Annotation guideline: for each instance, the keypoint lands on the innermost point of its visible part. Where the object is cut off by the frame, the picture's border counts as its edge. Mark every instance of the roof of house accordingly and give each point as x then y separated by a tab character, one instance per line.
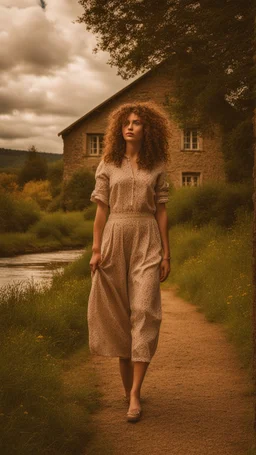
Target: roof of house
70	127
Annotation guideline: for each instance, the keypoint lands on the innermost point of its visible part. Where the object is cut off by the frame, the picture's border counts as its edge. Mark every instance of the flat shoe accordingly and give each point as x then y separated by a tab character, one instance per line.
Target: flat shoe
134	415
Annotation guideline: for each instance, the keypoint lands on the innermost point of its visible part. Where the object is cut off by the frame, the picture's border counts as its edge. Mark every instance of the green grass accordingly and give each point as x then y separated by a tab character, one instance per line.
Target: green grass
213	201
41	328
52	232
213	269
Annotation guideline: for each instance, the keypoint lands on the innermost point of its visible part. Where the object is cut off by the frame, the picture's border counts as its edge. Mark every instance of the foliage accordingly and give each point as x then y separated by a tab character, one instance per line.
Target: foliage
60	225
78	189
35	167
55	177
214	201
14	159
208	50
56	204
8	182
38	191
40	327
17	215
212	269
90	211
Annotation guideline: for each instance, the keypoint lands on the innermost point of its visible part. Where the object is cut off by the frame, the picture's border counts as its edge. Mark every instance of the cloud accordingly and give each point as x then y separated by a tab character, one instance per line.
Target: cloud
49	76
31	42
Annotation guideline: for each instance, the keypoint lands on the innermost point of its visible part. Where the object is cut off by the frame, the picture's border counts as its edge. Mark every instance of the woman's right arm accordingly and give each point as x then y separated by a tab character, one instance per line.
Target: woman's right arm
98	227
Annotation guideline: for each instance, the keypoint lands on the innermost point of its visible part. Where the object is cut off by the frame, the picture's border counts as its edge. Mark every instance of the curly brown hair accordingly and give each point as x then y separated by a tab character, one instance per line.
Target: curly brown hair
156	134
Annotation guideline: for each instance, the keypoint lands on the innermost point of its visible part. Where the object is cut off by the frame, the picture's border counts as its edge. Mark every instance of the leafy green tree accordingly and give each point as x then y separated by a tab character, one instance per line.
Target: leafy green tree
35	167
208	49
77	191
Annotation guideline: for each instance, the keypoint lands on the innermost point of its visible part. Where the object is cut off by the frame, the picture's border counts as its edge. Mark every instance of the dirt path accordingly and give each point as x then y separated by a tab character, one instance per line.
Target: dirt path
196	396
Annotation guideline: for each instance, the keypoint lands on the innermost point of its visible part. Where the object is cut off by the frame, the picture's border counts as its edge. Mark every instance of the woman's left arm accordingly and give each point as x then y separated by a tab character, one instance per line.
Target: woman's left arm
162	221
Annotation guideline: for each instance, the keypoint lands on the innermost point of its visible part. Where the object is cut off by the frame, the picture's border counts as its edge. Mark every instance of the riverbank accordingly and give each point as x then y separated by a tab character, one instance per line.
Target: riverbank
41	329
56	231
32	246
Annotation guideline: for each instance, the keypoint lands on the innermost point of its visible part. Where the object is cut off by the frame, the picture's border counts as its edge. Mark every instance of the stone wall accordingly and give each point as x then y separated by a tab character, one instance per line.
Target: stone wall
156	85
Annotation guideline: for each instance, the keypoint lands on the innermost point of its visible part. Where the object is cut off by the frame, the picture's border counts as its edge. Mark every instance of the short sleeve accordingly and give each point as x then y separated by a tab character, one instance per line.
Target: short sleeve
162	187
101	189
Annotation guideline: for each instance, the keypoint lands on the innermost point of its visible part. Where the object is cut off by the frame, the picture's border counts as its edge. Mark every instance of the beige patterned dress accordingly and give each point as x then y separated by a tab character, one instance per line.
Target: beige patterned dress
124	307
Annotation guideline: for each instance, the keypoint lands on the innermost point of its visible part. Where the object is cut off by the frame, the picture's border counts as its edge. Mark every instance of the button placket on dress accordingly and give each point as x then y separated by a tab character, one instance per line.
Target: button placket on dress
133	181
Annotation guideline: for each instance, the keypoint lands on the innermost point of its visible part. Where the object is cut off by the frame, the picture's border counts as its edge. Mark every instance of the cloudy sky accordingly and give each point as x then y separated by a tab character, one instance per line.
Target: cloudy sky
49	76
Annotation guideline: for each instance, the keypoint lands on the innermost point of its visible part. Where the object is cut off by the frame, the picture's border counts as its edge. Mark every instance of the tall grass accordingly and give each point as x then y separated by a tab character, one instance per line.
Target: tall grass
40	326
213	269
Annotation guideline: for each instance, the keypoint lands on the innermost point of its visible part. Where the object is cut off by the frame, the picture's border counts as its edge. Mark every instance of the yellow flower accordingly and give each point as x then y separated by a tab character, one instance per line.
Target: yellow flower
40	336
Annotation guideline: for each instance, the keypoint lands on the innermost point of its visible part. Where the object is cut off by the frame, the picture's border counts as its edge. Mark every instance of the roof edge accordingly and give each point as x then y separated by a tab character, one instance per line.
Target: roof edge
72	125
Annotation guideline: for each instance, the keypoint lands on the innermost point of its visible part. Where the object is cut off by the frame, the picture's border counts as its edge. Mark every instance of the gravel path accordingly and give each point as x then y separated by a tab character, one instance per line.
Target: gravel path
196	397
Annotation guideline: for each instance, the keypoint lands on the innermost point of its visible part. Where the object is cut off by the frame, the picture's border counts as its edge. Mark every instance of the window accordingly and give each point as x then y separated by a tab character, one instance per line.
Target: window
190	139
94	144
190	178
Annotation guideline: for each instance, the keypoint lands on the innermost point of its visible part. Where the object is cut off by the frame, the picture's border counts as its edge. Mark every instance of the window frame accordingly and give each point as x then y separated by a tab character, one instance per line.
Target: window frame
198	174
89	137
199	140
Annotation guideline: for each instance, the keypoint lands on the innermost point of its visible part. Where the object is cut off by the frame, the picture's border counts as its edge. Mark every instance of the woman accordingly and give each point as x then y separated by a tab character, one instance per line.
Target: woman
130	246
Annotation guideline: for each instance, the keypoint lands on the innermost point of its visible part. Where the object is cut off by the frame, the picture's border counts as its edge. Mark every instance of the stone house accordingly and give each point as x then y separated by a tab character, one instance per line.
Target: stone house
194	158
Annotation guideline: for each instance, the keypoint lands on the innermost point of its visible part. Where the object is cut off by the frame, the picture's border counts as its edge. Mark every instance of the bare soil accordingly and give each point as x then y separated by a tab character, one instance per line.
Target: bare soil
197	399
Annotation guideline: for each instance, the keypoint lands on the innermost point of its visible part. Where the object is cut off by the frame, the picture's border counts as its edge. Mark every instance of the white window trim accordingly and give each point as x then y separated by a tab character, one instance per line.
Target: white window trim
199	140
199	173
88	144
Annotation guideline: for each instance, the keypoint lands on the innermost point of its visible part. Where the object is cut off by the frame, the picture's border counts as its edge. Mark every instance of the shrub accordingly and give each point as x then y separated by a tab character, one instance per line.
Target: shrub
90	211
38	191
8	182
57	225
55	177
55	204
17	215
78	190
217	202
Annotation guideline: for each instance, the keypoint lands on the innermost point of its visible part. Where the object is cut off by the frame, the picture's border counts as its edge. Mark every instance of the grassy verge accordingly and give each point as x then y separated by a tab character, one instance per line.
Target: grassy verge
42	410
212	268
52	232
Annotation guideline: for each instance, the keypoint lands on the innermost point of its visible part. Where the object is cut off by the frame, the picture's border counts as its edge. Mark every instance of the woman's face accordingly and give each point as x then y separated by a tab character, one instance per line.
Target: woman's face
132	128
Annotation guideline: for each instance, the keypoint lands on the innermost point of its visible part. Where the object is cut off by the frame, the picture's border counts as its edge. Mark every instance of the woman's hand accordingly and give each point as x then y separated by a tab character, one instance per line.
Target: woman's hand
95	261
164	269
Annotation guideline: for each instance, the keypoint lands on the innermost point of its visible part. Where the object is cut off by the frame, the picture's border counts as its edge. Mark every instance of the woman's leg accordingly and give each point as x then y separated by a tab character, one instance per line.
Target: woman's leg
139	371
126	371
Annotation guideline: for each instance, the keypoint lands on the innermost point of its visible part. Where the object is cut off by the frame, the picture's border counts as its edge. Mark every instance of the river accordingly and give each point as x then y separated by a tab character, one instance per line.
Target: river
40	266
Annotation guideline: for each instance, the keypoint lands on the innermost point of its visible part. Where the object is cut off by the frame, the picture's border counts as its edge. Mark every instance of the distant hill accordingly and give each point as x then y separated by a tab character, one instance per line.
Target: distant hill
10	158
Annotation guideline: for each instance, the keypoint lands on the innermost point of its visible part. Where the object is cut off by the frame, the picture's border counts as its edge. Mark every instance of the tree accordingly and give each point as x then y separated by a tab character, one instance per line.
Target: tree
55	177
35	167
208	45
77	191
39	192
